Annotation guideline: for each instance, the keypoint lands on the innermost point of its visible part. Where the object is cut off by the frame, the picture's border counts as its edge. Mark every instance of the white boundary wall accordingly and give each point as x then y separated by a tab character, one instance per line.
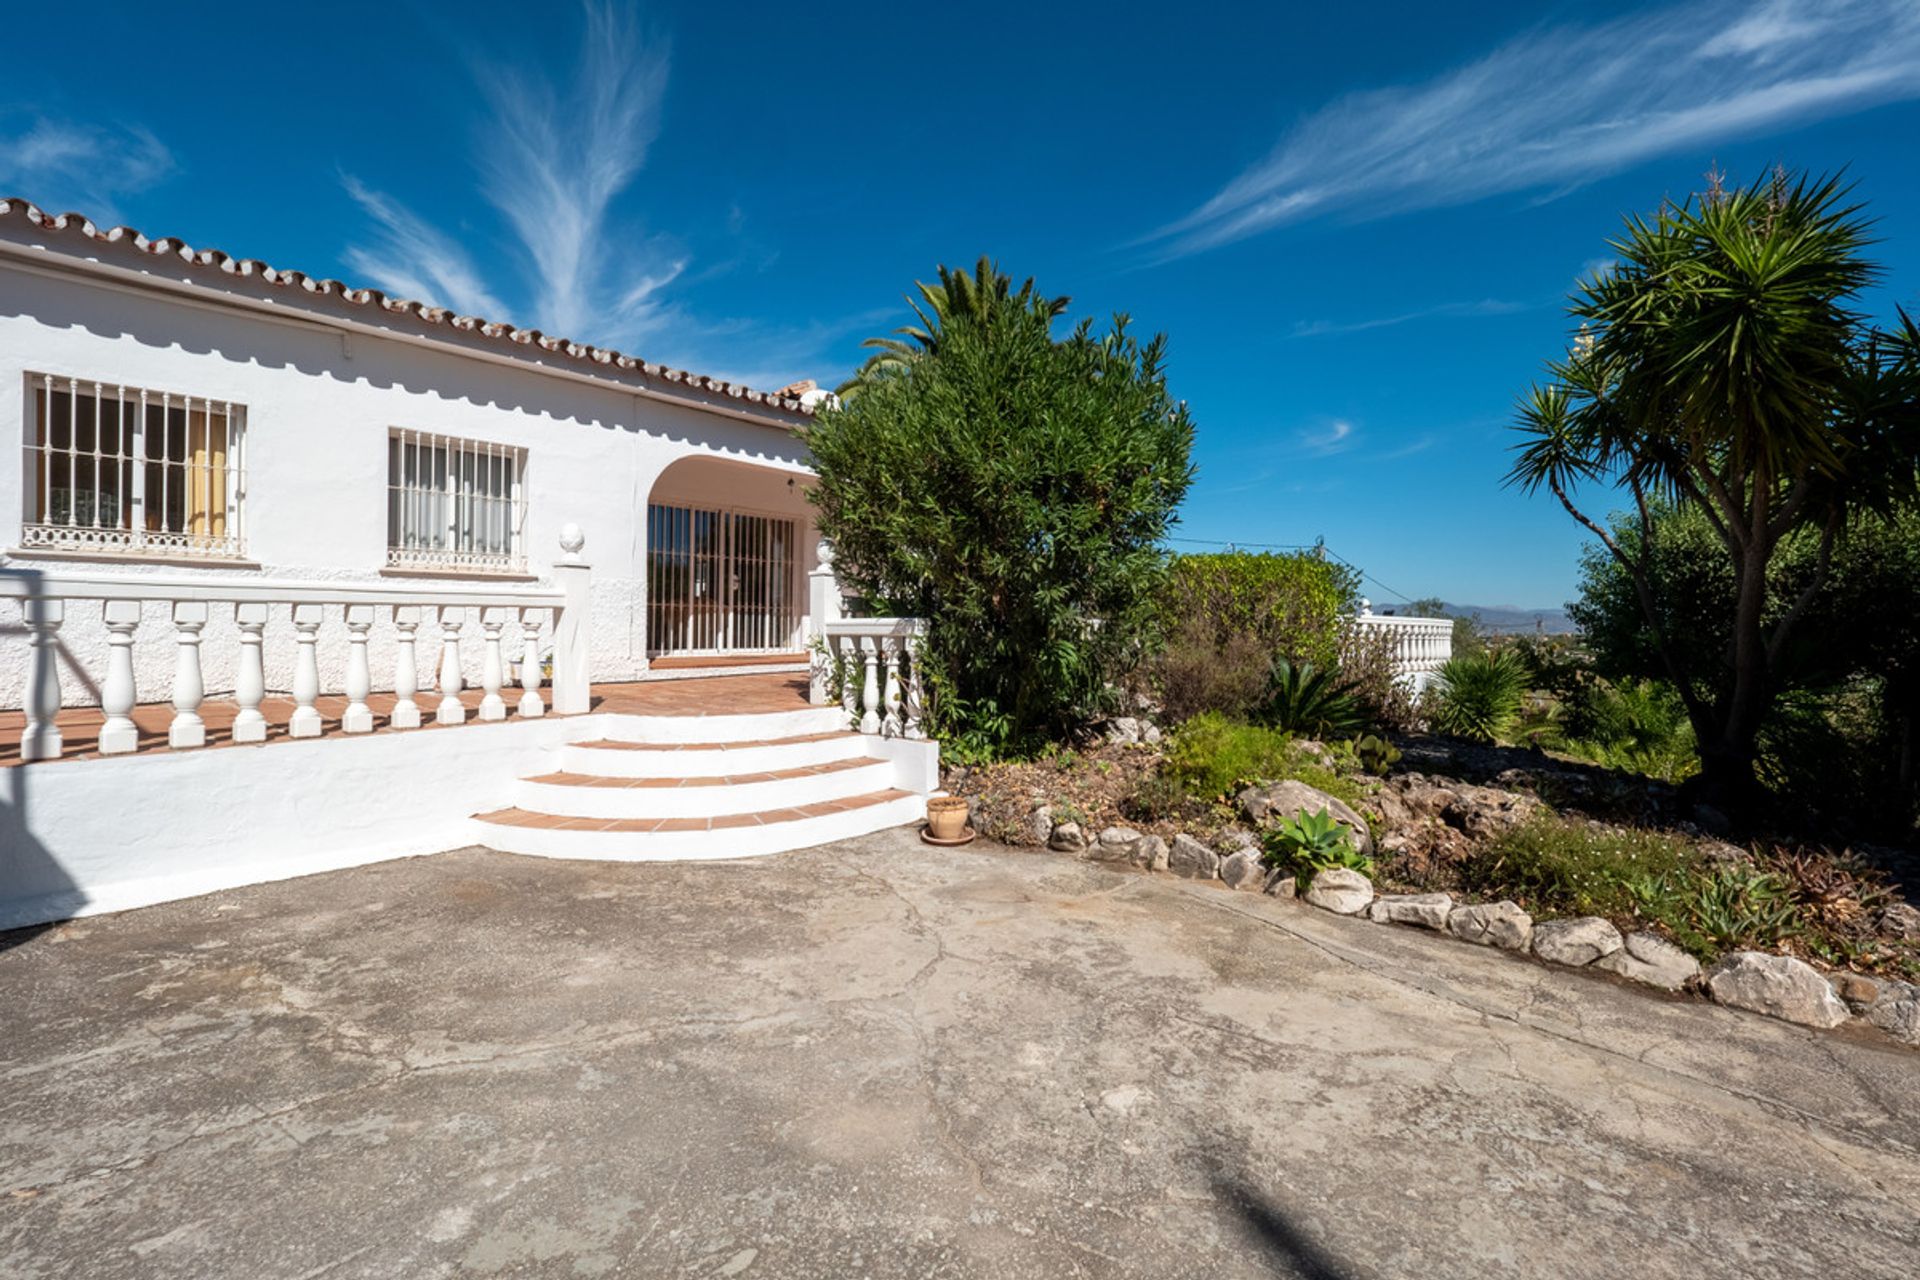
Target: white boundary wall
320	403
82	837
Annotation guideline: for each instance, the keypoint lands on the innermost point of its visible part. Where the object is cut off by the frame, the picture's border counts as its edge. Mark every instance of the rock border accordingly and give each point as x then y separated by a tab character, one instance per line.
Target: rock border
1776	986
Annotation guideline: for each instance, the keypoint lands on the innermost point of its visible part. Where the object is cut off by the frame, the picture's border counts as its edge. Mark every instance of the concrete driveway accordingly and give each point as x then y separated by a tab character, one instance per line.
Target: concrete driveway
877	1059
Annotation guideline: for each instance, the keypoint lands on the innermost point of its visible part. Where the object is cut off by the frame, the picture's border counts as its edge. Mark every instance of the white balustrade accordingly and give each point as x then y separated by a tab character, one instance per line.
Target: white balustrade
452	710
250	681
492	671
1420	646
406	669
530	704
877	664
358	717
189	689
191	602
40	740
306	671
119	734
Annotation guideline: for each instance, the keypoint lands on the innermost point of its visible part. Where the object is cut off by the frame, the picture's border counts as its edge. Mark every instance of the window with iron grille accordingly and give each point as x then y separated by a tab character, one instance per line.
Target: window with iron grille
131	470
455	504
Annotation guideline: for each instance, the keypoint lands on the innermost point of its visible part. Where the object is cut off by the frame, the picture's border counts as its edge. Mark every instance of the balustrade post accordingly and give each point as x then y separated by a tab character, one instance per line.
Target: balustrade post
188	730
358	717
572	630
823	607
890	697
406	669
250	681
530	705
117	695
870	686
492	670
40	739
451	711
305	721
915	706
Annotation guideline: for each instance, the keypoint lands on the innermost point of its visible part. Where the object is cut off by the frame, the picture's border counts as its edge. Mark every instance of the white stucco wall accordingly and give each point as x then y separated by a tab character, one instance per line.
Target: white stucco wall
320	404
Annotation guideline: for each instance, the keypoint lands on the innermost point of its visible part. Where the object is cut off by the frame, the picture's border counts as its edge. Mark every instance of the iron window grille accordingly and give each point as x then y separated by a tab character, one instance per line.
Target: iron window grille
128	470
455	505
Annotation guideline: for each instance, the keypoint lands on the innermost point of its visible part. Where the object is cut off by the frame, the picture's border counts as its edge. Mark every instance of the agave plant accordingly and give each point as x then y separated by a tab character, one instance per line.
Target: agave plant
1309	843
1308	700
1479	696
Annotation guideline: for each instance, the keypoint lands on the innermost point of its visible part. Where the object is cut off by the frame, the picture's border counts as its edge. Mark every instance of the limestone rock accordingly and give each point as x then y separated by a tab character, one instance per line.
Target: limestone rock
1650	958
1575	942
1897	1012
1189	858
1150	854
1290	798
1428	910
1040	825
1856	990
1116	844
1778	986
1900	921
1242	869
1067	838
1340	890
1281	884
1492	924
1123	730
1149	733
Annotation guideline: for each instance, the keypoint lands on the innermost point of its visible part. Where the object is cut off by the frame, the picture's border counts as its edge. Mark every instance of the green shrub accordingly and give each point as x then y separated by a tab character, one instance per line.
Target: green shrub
1479	697
1553	866
1309	700
1193	674
1226	617
1014	489
1212	756
1309	843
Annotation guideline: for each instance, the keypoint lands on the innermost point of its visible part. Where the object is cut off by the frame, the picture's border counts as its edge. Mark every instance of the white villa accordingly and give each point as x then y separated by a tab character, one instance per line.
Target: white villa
307	577
250	495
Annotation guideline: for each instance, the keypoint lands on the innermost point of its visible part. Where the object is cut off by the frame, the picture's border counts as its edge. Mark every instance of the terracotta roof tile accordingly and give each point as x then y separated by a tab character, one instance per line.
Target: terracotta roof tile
787	399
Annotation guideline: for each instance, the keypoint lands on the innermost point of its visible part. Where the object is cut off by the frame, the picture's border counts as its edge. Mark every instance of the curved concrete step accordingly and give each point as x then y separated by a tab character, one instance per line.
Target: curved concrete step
754	726
578	795
735	836
609	759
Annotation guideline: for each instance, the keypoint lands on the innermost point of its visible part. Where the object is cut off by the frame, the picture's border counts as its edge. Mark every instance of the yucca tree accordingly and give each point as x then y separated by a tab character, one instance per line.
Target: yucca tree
979	297
1720	364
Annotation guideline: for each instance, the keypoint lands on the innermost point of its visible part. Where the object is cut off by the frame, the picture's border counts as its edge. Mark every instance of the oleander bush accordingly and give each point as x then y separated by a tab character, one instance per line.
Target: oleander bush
1014	488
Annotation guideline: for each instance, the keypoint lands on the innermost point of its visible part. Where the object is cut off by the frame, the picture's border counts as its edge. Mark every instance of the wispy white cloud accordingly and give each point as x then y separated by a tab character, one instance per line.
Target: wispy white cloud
65	164
1562	105
415	259
1457	310
554	155
1337	436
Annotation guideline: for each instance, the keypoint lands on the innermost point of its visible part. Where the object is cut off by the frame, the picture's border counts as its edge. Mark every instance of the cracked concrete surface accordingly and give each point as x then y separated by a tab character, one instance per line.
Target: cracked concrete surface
880	1059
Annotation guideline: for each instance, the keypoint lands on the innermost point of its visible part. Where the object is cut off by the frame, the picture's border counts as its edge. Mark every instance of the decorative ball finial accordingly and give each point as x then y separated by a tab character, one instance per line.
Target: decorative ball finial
571	540
1366	607
825	552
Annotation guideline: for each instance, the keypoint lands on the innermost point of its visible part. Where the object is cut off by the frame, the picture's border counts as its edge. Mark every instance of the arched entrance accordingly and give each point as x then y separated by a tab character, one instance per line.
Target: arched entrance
727	550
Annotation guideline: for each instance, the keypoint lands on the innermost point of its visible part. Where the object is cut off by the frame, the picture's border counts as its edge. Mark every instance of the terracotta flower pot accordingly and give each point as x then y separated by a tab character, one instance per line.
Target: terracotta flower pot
946	816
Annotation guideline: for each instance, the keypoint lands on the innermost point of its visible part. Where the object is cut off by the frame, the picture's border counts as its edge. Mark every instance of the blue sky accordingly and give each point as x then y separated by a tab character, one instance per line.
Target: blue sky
1357	224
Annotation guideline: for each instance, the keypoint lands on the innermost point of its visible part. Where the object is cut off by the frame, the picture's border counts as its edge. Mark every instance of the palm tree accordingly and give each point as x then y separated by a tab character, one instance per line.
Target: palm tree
977	298
1719	364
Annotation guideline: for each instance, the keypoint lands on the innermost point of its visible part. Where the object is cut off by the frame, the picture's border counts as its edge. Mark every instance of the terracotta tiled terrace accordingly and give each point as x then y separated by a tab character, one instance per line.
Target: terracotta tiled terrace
712	695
